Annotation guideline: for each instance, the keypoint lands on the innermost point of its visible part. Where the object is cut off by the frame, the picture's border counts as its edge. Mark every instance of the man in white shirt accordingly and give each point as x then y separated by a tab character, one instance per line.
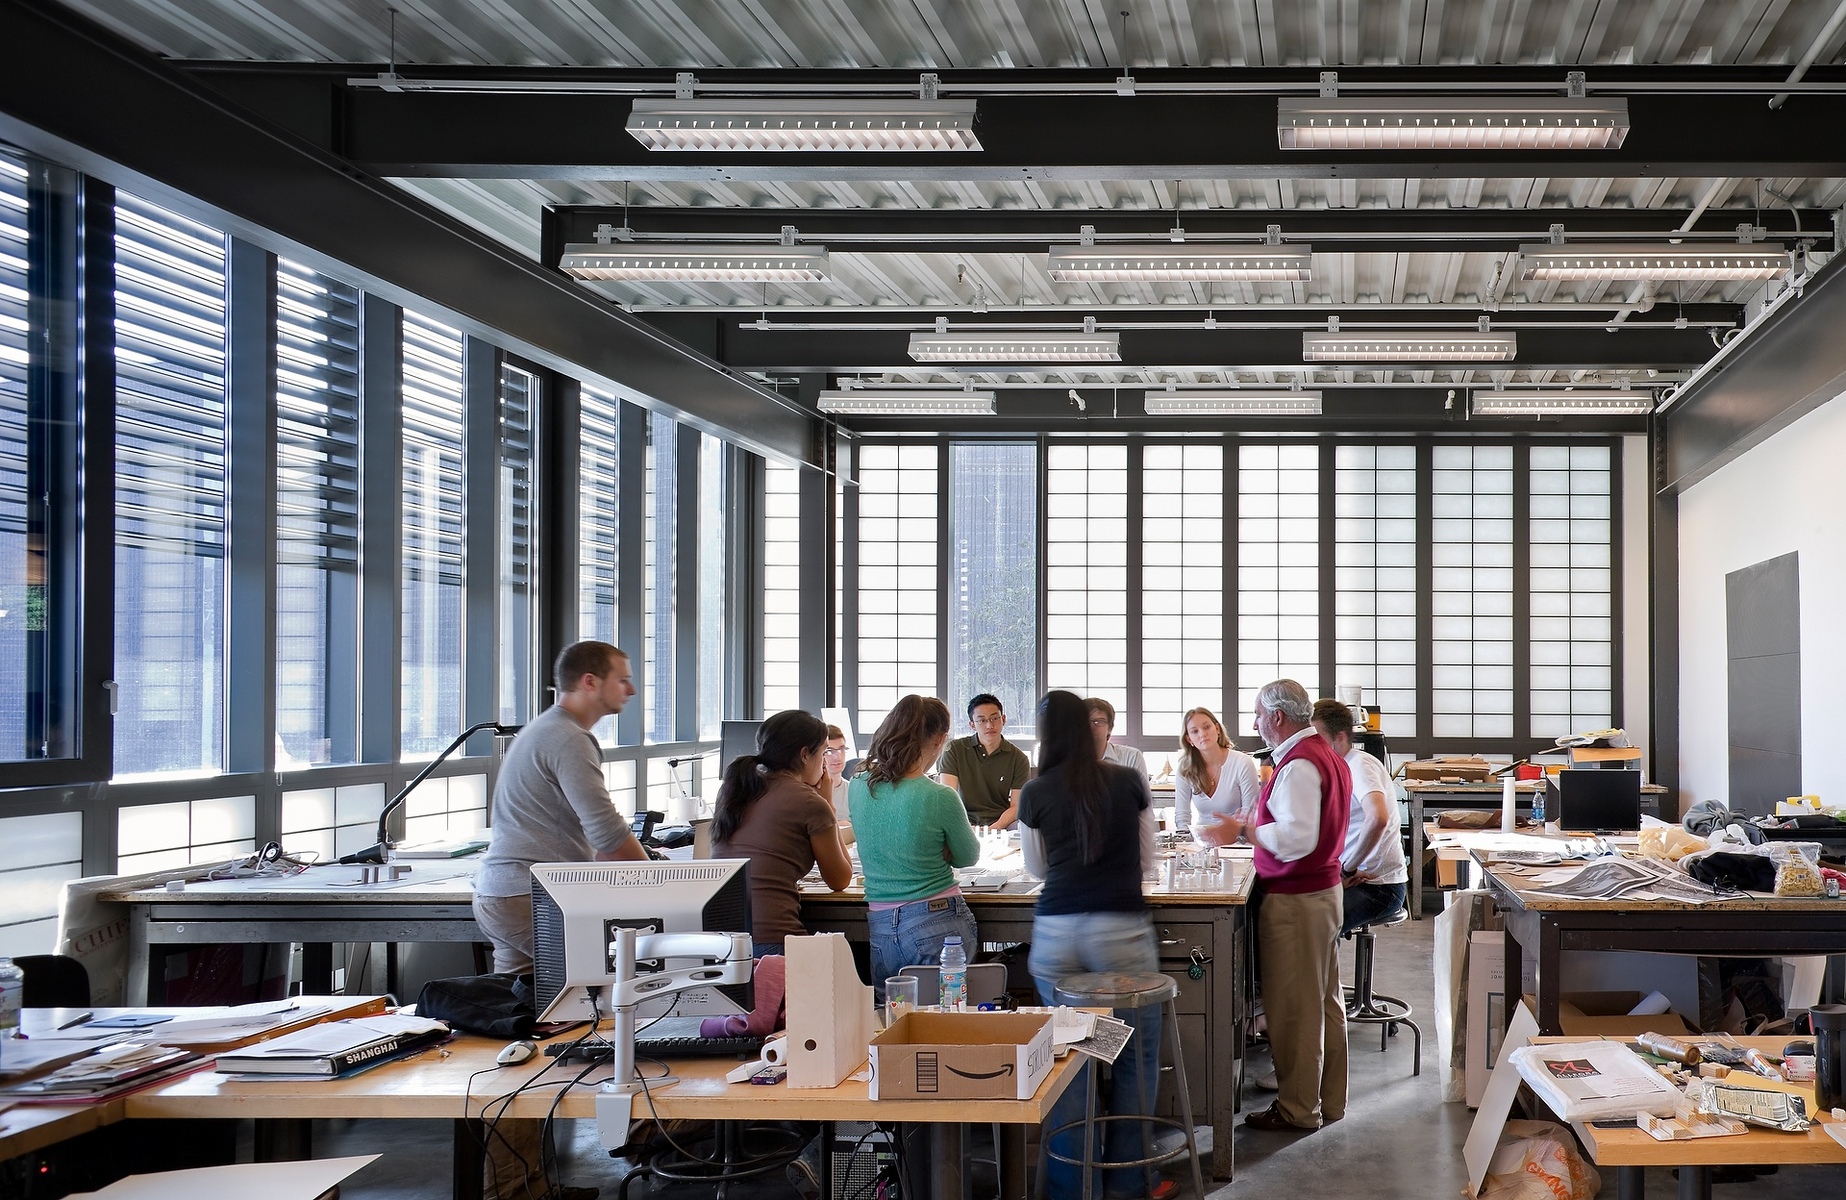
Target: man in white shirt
1102	723
1372	870
1297	831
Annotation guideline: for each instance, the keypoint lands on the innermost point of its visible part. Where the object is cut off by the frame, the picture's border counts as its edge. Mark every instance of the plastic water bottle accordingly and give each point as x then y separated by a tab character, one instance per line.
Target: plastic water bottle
1538	803
12	989
954	974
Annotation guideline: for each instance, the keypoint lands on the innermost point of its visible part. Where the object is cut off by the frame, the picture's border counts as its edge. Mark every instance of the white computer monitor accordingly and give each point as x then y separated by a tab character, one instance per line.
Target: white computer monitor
575	906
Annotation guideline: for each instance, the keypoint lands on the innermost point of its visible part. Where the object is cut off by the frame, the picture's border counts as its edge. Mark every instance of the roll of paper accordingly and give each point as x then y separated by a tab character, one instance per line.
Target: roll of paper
775	1051
1509	811
1652	1005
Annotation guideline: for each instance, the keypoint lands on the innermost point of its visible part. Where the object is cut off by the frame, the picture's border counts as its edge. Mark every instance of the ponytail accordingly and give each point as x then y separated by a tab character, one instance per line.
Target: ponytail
780	742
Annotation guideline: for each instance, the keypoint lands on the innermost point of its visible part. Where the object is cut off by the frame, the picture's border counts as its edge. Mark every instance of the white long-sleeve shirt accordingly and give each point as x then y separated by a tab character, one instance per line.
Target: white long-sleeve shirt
1238	788
1294	805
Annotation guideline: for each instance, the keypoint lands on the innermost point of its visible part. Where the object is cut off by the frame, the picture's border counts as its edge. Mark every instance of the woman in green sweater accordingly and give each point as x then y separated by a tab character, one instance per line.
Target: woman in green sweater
911	832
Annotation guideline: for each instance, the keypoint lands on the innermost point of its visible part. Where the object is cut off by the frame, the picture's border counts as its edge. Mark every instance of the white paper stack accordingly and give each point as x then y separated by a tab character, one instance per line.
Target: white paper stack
1594	1081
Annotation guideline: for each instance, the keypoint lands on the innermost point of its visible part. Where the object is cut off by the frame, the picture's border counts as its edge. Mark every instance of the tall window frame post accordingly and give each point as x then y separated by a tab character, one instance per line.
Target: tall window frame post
559	421
816	586
1229	588
1329	571
743	556
846	465
480	537
381	493
250	504
1134	725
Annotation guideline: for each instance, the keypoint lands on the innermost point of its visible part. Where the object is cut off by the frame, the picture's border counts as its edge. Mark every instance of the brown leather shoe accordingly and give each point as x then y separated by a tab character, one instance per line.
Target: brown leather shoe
1272	1121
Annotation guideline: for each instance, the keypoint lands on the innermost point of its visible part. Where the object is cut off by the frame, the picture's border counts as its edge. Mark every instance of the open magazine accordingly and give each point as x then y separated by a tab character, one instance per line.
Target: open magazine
1622	878
1592	1081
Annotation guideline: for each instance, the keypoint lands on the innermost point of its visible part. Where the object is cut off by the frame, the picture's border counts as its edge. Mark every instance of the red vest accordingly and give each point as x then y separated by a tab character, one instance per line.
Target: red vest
1319	869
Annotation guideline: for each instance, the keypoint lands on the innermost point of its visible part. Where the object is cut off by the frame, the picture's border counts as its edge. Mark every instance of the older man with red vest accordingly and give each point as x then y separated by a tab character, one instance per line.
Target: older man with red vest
1298	829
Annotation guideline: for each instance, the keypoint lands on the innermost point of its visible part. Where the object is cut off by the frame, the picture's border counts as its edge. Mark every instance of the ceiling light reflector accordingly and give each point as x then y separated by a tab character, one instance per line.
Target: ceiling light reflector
1016	347
1445	123
1649	262
718	126
895	402
713	264
1584	403
1408	347
1179	264
1232	403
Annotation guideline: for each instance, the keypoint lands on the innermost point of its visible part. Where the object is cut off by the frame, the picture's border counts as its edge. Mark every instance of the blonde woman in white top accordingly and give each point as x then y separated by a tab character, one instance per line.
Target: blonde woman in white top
1214	777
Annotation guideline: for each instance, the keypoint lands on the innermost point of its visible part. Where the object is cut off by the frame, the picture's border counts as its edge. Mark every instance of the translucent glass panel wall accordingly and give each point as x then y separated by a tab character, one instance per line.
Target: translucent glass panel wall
155	837
1572	593
22	733
781	587
170	491
661	523
1472	601
445	808
333	821
1375	579
1182	584
37	854
432	536
1086	574
1278	571
993	577
898	563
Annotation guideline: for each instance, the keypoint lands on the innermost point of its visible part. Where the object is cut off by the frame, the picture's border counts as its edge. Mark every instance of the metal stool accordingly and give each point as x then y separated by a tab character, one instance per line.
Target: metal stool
1127	990
1366	1007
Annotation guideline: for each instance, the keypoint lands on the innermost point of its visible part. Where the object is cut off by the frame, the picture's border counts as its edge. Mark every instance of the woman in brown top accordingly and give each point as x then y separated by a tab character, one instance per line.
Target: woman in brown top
771	812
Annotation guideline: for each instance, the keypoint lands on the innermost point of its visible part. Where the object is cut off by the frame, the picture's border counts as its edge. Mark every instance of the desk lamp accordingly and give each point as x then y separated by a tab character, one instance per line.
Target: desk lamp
380	852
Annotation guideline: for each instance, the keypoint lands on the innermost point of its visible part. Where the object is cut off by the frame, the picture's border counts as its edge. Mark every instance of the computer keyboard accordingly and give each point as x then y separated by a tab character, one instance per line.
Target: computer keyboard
664	1047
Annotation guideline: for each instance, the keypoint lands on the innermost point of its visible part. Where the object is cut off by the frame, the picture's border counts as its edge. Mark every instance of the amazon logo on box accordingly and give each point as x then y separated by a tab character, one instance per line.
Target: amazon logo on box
962	1056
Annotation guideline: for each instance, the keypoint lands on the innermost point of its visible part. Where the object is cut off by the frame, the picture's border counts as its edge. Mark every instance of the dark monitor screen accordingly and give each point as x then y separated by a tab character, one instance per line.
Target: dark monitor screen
1596	801
736	739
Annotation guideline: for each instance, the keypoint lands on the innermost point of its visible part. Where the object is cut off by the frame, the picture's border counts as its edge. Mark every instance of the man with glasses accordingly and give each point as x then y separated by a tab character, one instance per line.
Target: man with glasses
1102	724
986	769
834	758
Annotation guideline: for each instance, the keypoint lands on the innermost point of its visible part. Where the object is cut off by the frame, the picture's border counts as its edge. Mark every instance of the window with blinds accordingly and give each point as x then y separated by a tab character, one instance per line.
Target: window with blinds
1182	585
661	540
1278	571
781	587
513	501
22	611
713	503
432	535
598	535
1086	574
898	562
317	517
170	491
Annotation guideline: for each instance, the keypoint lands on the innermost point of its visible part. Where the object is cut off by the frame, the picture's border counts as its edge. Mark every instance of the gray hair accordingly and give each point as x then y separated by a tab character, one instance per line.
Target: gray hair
1287	697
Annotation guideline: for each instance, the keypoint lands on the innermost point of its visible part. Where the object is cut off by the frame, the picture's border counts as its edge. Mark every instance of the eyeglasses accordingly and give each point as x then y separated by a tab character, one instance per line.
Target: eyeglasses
834	752
1101	723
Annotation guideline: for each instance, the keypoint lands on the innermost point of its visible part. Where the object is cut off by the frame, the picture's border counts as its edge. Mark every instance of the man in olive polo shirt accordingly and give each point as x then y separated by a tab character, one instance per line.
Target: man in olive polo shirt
986	769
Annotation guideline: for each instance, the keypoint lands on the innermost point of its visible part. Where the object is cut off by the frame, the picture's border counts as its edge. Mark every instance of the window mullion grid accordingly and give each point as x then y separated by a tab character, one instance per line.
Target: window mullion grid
1522	600
1329	592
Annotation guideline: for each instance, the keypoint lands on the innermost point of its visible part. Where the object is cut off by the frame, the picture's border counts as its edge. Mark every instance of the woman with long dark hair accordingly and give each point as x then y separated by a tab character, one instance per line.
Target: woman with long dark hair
911	831
771	812
1086	829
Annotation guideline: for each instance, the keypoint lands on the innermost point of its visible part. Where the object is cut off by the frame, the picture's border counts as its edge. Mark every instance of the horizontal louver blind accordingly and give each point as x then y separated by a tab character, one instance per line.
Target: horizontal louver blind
317	418
13	347
169	353
432	450
516	388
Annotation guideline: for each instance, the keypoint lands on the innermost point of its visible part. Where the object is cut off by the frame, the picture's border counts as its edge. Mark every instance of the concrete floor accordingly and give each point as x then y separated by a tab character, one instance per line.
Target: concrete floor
1398	1141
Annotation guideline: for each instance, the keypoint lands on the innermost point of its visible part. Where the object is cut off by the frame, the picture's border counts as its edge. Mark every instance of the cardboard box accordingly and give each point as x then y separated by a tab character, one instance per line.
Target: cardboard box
1486	1009
962	1056
1468	770
1604	755
1602	1014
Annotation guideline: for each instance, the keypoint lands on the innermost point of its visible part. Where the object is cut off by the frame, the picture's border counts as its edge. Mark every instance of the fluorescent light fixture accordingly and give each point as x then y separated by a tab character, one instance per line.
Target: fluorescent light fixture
1251	403
713	264
804	125
896	402
1451	123
1016	347
1178	264
1652	262
1584	403
1408	347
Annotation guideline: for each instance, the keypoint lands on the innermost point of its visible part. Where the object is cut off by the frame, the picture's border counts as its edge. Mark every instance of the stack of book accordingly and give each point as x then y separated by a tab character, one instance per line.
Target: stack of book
111	1071
335	1048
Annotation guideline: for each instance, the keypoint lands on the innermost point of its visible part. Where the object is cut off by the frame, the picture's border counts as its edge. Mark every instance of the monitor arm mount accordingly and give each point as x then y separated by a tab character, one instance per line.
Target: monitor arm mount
380	852
728	960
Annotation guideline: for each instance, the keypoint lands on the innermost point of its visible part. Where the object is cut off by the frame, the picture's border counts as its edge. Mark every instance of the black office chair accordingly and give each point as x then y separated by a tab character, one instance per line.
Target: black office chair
53	981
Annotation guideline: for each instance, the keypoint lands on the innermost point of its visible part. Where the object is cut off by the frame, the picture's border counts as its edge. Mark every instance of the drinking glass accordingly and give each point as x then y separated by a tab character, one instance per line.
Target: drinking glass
900	997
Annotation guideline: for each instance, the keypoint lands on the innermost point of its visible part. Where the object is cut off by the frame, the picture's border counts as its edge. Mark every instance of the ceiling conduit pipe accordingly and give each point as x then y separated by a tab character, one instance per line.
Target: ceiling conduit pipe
1814	51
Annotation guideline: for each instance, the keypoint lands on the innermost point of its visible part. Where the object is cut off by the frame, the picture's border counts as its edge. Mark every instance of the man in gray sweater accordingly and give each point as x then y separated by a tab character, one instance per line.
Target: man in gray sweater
550	801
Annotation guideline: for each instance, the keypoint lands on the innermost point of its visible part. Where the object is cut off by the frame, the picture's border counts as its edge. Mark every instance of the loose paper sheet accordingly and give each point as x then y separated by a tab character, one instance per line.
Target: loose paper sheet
238	1181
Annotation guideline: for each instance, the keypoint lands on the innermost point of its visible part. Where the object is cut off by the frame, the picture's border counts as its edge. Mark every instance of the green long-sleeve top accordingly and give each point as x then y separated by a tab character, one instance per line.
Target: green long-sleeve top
902	830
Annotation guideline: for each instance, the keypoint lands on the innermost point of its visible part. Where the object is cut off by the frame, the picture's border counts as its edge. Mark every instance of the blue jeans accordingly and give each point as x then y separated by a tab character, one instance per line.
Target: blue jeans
1367	902
911	936
1073	944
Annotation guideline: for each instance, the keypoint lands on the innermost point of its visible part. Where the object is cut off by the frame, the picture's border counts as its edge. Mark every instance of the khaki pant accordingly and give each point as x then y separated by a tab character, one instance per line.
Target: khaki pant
507	922
1299	936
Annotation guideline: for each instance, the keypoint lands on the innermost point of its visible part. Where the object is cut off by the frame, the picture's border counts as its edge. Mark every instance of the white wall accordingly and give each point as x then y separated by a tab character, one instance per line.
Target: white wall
1781	496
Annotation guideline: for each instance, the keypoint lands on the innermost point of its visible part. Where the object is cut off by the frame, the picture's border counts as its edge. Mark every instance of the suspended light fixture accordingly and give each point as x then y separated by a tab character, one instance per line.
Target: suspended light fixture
1016	347
1582	403
1651	262
1408	347
709	264
1179	264
1451	123
1240	402
898	402
804	125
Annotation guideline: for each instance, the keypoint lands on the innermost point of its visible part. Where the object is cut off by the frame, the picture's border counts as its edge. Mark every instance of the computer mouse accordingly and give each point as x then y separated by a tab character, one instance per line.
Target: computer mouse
515	1053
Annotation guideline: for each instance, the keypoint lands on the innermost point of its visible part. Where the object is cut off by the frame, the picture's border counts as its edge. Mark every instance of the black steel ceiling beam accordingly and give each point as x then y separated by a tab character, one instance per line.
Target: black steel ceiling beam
1791	364
1039	137
77	93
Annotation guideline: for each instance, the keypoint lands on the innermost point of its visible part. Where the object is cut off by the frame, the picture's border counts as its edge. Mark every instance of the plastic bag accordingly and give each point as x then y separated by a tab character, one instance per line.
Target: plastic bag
1538	1160
1669	843
1797	868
